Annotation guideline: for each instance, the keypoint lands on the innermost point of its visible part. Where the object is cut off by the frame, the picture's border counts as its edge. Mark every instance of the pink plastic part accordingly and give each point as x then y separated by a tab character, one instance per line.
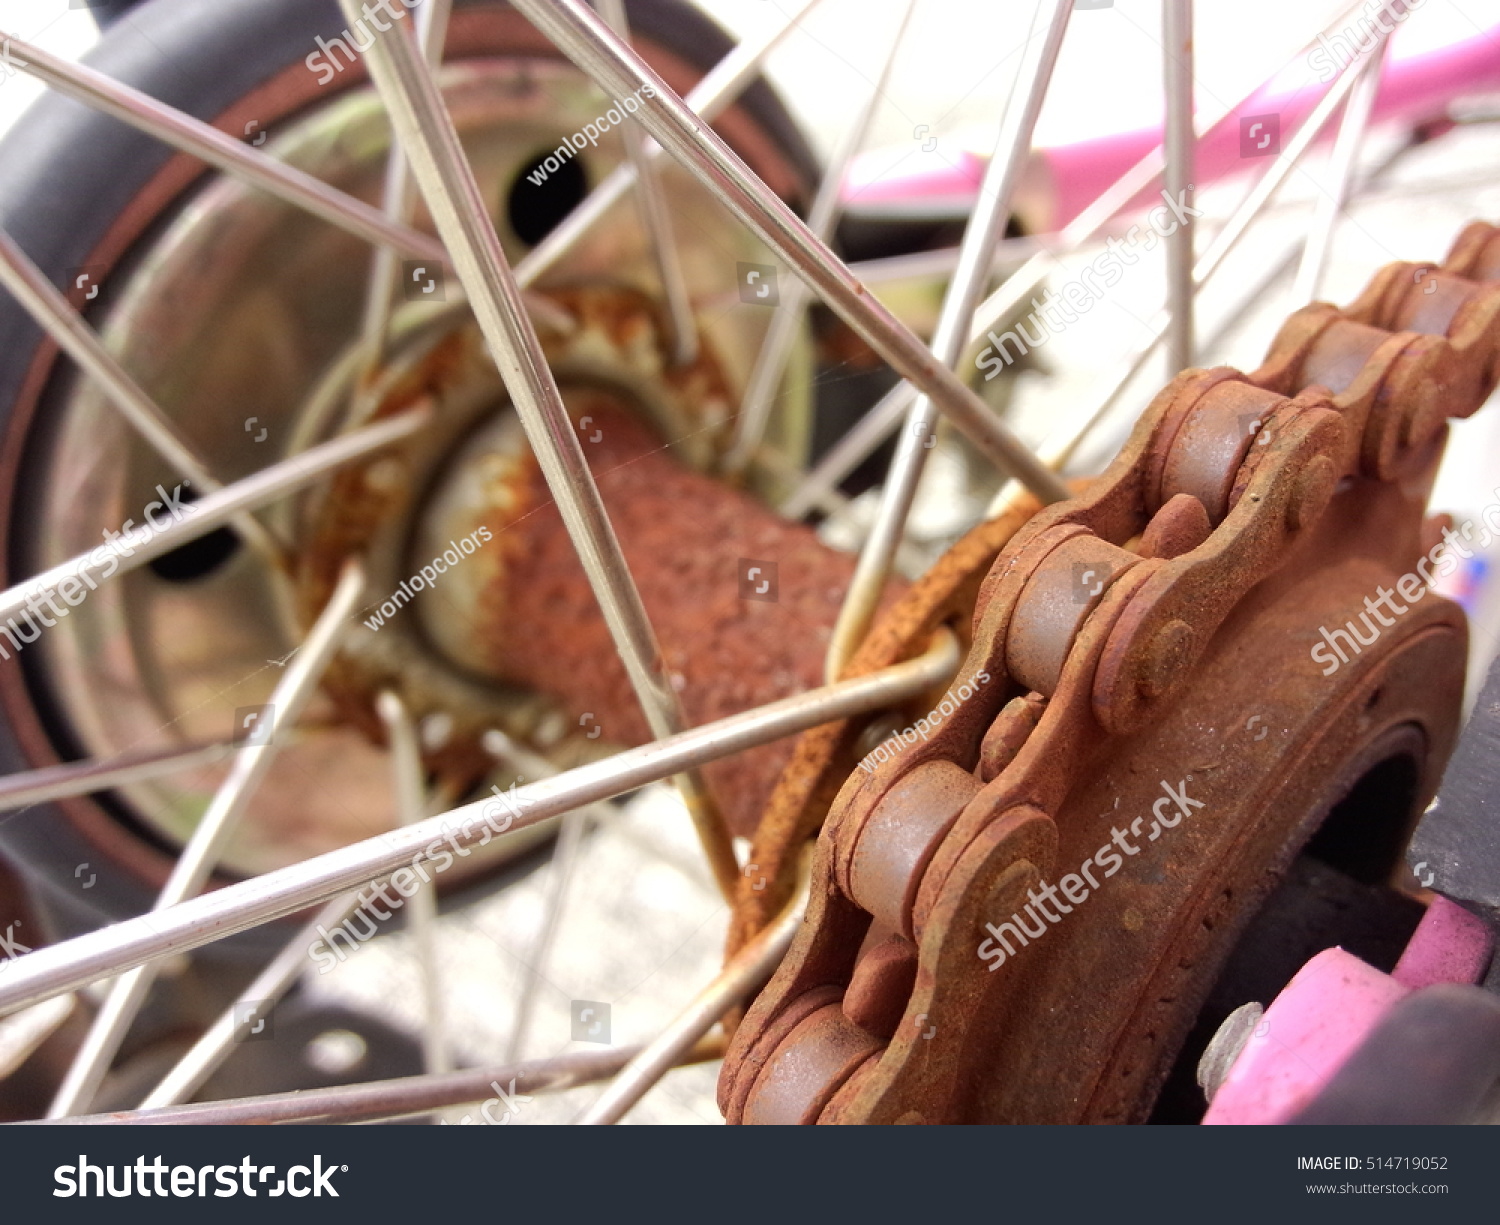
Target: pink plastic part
907	177
1413	90
1329	1008
1318	1021
1065	179
1449	946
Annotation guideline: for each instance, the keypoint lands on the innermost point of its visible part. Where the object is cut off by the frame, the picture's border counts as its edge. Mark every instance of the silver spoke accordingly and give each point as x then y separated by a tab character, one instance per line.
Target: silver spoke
453	197
387	1099
589	44
851	450
193	866
742	974
786	321
939	263
426	161
398	196
1291	258
191	1072
101	774
1084	227
22	1034
220	150
55	315
411	805
985	227
881	422
57	318
1279	171
657	220
134	547
710	98
202	920
1341	162
1060	447
565	854
1179	141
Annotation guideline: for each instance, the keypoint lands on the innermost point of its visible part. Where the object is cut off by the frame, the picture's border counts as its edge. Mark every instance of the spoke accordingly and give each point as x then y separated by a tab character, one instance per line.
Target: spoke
398	198
939	263
565	854
878	425
786	321
710	98
851	450
743	973
101	774
453	197
192	1071
406	764
1278	172
1253	295
1179	142
1059	448
1255	201
658	223
589	44
22	1034
219	822
386	1099
976	256
132	548
234	908
55	315
218	149
1084	227
1341	162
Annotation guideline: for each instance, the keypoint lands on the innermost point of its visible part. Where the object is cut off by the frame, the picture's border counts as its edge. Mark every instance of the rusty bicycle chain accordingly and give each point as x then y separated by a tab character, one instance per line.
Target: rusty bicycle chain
1085	627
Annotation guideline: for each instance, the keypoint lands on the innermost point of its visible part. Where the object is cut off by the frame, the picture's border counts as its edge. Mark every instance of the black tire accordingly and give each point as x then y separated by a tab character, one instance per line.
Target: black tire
107	12
71	172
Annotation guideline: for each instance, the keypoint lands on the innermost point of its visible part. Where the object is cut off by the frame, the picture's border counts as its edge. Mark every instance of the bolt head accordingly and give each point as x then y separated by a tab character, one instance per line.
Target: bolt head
1167	659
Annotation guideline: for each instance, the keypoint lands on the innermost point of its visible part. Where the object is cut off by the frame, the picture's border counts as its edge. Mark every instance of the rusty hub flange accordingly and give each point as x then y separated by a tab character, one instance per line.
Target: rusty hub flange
514	638
1132	639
